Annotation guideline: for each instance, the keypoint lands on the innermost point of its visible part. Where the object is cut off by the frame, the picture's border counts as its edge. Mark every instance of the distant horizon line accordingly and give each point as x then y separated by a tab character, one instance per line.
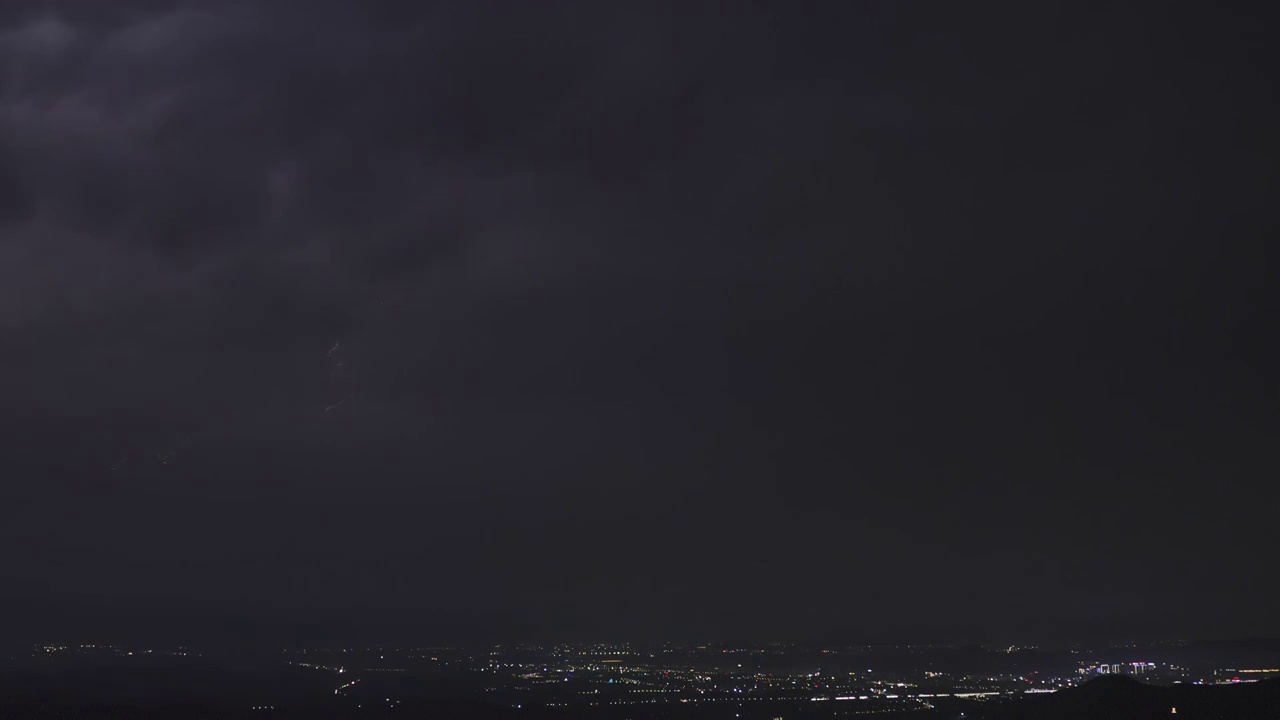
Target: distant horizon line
195	644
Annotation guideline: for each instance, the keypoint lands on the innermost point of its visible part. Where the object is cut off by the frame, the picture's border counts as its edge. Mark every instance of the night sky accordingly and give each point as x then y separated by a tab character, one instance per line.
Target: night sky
595	320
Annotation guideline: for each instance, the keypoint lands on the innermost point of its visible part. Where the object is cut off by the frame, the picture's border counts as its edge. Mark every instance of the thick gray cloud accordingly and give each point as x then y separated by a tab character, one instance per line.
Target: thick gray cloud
748	291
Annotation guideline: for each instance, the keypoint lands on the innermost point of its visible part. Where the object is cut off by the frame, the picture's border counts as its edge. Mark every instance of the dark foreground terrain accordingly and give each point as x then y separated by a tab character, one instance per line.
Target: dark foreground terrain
1123	698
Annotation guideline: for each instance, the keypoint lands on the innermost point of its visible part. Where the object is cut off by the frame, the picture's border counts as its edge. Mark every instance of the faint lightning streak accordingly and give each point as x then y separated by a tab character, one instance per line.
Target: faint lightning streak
120	463
336	405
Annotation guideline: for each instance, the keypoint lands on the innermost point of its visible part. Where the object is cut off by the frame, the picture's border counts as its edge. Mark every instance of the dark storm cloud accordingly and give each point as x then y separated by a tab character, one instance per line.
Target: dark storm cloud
201	200
221	163
758	296
352	148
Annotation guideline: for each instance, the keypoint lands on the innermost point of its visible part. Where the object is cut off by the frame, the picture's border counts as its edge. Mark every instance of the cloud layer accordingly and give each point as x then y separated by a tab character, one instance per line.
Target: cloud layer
651	308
